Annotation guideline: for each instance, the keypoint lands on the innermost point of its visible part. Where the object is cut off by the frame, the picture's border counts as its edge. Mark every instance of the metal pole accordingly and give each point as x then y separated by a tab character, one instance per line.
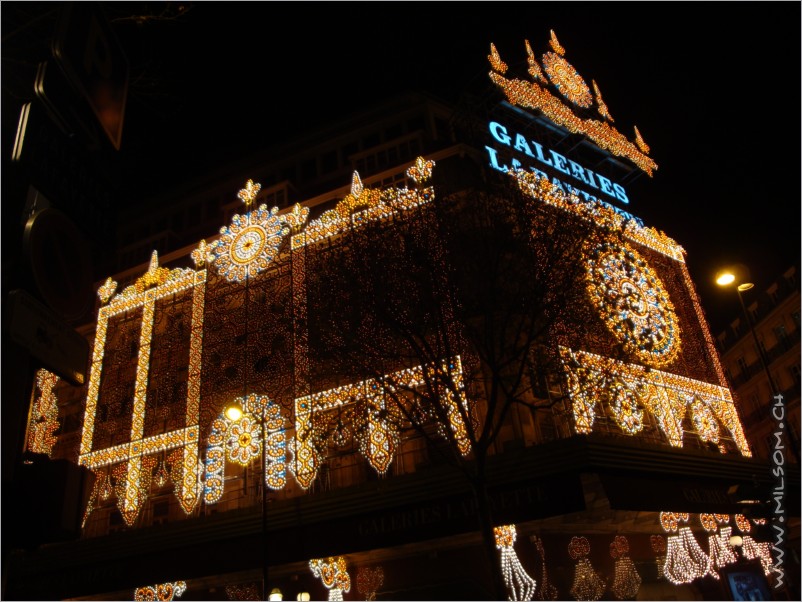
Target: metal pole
763	360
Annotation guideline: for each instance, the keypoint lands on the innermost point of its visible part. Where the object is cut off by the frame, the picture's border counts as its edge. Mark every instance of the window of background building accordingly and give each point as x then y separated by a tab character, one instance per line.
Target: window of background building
795	316
288	173
348	150
371	140
781	334
394	131
309	170
794	370
328	162
742	365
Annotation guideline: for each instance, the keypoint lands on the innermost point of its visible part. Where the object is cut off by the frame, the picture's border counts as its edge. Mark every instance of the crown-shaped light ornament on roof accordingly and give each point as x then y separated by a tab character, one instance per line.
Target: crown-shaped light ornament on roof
563	96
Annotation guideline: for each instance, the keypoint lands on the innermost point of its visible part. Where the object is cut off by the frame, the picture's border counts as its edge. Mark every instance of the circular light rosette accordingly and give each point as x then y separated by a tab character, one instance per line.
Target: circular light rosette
704	421
633	303
248	246
244	442
570	84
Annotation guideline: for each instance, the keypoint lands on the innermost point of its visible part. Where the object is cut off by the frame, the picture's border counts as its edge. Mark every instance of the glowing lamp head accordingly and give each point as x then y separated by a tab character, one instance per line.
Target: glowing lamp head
725	278
275	594
304	596
736	540
234	413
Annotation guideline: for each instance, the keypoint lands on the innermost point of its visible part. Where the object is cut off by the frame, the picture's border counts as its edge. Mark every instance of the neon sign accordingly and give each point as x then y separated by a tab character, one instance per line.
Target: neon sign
531	149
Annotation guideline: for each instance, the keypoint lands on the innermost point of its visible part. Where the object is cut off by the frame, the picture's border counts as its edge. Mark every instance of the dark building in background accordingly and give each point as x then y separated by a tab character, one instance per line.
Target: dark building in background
774	316
629	485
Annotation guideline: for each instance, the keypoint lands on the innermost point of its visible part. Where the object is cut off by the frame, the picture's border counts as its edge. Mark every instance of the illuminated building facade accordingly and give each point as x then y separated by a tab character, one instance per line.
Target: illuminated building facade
315	484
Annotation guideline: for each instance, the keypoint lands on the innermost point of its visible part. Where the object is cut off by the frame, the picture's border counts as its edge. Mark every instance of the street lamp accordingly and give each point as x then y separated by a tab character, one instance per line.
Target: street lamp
234	413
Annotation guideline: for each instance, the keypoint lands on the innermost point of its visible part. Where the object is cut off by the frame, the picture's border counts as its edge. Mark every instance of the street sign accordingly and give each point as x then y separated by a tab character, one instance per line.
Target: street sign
47	337
91	55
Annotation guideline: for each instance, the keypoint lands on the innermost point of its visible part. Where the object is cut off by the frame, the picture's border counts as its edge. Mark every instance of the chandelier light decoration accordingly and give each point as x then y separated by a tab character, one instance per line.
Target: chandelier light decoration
334	574
162	592
685	560
564	80
626	580
520	586
587	584
752	549
719	548
369	581
658	544
43	420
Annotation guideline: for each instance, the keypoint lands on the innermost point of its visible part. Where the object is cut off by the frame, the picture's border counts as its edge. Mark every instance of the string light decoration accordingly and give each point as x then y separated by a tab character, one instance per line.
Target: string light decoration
244	440
43	418
633	303
542	189
387	204
568	83
703	421
535	72
665	395
334	574
380	445
237	253
545	590
685	560
626	580
157	283
602	107
658	544
587	584
162	592
369	581
520	585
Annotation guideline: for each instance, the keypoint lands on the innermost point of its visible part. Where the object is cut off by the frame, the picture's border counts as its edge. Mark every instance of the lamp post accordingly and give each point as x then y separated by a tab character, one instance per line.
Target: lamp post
727	277
234	413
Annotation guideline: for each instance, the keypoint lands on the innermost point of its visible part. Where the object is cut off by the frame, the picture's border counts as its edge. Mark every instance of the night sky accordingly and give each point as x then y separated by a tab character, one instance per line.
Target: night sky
712	87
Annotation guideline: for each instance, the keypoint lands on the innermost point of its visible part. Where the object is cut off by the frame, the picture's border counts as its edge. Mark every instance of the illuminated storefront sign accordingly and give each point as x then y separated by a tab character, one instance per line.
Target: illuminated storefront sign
534	152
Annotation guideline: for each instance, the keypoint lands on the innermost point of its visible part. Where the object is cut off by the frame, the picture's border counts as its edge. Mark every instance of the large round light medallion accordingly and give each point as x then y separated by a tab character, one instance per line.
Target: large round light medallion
248	245
633	303
570	84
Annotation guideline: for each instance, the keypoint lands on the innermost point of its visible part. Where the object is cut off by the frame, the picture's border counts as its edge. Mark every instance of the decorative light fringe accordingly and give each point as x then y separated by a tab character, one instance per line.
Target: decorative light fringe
626	580
520	585
334	574
685	560
546	591
163	591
